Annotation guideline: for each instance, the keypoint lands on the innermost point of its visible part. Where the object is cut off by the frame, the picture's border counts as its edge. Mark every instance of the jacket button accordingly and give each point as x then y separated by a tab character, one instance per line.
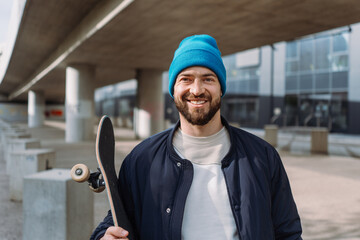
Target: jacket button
168	210
178	164
237	207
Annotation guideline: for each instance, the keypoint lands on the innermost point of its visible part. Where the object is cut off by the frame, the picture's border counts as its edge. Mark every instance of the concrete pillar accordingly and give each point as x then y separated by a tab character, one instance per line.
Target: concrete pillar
79	103
149	113
56	207
36	108
271	134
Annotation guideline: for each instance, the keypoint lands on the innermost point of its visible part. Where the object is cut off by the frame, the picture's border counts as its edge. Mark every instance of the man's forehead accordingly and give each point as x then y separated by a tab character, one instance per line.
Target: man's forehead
198	71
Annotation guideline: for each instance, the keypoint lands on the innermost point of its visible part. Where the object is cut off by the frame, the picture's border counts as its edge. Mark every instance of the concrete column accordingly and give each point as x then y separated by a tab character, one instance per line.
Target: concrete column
149	113
36	108
79	103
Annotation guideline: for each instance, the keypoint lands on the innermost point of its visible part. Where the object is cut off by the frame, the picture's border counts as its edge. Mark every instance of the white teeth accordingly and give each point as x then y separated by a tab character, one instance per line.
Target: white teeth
197	102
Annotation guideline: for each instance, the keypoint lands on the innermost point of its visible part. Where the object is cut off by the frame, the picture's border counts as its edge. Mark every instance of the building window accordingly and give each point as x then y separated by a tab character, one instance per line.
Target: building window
306	55
322	54
241	80
317	64
316	83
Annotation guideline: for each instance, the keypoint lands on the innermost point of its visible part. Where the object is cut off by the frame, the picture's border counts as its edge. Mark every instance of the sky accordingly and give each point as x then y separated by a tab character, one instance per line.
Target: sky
5	11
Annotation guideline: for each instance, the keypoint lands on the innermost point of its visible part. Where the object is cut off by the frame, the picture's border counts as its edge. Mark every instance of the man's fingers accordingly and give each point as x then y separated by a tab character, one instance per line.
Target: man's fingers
115	233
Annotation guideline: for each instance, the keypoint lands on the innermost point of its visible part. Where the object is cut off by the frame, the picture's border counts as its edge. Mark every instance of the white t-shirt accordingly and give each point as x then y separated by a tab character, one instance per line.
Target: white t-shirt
207	214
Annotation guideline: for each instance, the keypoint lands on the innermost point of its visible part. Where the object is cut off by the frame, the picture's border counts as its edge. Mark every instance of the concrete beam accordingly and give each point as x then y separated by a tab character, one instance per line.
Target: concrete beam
101	15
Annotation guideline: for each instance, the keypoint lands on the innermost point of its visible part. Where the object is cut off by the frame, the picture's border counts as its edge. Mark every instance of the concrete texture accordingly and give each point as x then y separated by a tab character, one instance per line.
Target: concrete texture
327	193
271	134
54	205
26	162
326	188
319	140
120	36
36	108
149	114
298	141
20	144
79	103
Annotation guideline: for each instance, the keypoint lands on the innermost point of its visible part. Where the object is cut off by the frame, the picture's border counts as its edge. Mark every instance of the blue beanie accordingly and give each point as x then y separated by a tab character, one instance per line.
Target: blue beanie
197	50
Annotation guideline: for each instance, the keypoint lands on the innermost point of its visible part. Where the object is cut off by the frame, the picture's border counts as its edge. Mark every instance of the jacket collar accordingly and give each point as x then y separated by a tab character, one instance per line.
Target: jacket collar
227	159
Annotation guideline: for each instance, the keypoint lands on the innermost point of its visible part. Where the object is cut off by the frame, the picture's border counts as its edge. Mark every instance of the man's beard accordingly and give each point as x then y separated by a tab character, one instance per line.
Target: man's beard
197	116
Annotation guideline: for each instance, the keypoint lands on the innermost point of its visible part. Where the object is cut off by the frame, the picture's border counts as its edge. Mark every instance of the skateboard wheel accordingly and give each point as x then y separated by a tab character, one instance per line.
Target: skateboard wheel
80	173
97	190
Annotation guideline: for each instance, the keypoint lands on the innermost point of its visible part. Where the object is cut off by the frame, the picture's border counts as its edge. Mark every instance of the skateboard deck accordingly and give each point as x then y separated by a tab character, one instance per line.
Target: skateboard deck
105	153
105	149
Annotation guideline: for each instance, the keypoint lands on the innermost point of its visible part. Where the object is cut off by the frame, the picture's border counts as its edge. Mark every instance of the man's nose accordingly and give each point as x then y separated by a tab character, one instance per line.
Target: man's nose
197	88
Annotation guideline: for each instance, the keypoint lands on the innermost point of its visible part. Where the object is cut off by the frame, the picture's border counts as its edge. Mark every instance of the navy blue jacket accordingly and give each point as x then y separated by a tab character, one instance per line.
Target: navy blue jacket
154	182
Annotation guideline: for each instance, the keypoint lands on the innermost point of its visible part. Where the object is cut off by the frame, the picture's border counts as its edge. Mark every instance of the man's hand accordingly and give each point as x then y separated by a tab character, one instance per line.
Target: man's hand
115	233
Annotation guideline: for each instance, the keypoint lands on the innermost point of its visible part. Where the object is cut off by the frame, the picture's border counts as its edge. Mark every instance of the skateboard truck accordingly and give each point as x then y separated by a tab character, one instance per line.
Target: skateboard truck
81	173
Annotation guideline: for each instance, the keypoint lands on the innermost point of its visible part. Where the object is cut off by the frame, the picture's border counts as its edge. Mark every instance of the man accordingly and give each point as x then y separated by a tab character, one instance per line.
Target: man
203	179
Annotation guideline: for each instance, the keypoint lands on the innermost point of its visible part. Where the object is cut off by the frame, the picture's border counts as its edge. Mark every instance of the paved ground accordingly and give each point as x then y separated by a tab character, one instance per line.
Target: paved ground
326	188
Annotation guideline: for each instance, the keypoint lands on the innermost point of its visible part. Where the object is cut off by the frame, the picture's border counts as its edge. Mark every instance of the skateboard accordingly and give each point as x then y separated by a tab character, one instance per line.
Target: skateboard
105	177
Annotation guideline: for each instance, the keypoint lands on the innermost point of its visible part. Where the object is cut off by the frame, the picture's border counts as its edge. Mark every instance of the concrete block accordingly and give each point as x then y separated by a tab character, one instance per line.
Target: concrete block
19	144
56	207
5	137
11	129
23	163
319	140
271	134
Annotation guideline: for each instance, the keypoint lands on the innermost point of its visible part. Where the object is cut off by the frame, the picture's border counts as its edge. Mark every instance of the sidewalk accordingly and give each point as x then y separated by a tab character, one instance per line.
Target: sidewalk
299	142
326	188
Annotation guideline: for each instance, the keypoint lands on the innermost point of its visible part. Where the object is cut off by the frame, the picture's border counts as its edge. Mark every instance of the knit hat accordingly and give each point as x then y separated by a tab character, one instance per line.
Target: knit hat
197	50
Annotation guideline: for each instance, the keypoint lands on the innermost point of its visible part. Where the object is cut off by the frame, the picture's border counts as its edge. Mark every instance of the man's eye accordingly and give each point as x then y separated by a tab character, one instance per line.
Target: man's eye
208	80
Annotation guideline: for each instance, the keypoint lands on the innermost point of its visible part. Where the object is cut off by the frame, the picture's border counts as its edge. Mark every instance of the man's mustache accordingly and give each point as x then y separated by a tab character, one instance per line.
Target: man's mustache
192	96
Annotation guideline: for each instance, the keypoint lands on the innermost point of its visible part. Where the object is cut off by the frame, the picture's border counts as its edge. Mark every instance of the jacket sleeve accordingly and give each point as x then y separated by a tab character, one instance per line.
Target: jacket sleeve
126	189
99	232
286	220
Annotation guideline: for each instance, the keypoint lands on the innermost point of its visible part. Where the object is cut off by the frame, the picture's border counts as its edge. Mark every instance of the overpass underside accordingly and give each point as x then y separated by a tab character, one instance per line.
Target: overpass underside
63	50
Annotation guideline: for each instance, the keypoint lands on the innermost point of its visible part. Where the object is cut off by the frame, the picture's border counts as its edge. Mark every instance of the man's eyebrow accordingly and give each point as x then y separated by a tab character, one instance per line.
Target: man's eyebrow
203	75
209	75
185	74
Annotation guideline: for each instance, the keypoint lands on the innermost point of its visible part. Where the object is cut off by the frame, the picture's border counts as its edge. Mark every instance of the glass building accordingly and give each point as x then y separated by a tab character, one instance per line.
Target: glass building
317	80
311	81
307	82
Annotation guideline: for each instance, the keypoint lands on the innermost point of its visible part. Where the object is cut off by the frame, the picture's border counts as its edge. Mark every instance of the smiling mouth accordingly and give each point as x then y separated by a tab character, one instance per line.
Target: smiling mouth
197	102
